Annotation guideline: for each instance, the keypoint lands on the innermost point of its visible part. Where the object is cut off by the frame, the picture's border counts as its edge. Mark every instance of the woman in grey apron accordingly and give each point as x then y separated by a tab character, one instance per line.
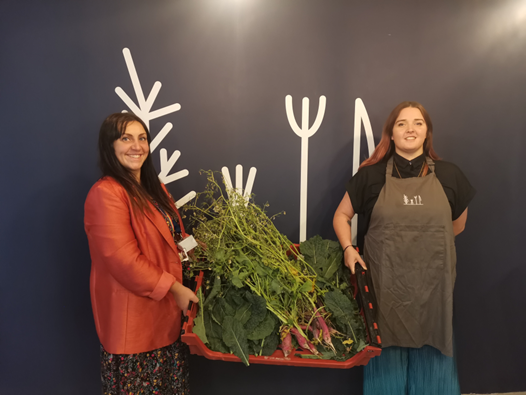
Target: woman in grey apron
413	205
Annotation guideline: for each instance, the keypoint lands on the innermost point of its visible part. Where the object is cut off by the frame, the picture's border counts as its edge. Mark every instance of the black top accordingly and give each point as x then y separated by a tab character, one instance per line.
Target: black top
365	186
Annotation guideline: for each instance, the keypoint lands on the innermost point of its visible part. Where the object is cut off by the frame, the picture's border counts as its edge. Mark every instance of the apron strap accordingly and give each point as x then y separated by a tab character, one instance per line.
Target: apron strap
389	168
430	163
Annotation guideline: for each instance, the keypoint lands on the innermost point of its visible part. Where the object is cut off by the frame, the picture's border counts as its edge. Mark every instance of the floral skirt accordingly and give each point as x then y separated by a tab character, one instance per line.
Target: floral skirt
162	371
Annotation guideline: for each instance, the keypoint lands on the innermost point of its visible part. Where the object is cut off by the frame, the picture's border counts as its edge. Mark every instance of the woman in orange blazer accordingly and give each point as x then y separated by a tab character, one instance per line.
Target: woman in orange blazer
136	286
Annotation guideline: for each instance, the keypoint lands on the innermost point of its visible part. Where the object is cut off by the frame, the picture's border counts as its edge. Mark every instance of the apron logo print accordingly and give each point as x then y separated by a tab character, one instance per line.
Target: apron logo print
416	201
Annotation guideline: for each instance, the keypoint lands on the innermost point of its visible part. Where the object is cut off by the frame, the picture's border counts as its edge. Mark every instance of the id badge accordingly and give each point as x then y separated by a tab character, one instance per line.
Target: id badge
185	246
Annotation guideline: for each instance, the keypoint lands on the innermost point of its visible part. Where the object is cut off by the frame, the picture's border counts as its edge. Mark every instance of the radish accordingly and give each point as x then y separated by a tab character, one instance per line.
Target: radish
324	330
314	330
286	342
303	342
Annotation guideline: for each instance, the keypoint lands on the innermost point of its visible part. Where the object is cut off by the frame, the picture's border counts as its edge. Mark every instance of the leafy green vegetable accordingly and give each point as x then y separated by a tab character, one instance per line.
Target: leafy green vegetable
239	278
215	291
199	321
360	345
254	347
221	310
235	337
243	313
259	310
235	297
214	334
218	344
308	286
254	252
275	286
199	329
343	310
264	329
213	329
263	288
325	256
270	344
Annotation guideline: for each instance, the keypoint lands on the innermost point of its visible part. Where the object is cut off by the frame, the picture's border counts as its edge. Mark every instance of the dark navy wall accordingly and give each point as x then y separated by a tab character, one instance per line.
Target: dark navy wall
230	64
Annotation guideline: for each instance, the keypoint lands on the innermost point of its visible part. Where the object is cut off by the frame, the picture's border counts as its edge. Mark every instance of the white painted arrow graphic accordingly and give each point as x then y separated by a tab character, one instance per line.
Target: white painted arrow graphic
142	110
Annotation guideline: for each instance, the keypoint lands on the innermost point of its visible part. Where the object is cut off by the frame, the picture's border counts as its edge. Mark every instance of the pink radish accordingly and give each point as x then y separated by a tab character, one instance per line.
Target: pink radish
303	342
286	342
324	330
313	328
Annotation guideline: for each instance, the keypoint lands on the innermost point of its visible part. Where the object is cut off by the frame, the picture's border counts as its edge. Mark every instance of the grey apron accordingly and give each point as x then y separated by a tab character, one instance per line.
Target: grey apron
410	252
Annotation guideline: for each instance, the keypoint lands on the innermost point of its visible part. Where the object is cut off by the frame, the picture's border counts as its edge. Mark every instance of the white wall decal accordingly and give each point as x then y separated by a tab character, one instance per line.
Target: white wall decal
304	132
145	105
239	181
360	116
185	199
142	110
160	136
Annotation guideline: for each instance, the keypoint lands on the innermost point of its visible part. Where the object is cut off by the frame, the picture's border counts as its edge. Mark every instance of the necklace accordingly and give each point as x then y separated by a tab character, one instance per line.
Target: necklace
419	174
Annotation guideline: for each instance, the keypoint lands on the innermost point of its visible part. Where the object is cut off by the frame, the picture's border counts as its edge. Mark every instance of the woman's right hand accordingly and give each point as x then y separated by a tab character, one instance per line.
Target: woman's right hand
351	256
183	296
342	226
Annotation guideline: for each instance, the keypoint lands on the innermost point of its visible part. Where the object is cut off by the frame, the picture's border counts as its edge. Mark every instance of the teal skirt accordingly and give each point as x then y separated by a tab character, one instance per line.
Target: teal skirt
411	371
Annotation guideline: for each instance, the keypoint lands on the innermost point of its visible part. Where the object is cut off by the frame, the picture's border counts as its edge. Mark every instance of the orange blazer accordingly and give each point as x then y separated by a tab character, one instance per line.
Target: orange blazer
134	262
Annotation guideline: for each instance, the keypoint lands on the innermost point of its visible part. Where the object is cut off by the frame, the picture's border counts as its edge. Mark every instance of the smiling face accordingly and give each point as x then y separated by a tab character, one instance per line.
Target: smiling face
409	133
132	149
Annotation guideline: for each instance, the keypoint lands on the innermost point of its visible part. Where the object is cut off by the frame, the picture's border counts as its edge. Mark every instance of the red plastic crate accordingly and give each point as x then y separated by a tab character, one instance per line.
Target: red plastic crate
197	347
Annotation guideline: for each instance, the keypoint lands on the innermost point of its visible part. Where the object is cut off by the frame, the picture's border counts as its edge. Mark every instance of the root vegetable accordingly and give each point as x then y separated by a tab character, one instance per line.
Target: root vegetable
303	342
286	342
324	330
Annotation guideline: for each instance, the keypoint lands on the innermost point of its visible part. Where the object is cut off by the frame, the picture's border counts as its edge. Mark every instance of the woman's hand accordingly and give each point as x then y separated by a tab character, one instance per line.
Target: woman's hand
183	296
342	226
351	256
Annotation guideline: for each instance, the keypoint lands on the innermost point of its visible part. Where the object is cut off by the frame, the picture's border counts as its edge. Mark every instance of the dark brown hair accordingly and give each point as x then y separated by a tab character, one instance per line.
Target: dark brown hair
385	147
150	186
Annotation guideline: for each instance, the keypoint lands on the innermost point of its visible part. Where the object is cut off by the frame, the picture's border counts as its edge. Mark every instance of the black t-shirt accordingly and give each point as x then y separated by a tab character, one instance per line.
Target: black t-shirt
365	186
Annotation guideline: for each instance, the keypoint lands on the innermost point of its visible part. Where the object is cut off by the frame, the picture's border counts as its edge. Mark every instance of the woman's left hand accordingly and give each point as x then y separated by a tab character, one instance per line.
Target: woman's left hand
183	296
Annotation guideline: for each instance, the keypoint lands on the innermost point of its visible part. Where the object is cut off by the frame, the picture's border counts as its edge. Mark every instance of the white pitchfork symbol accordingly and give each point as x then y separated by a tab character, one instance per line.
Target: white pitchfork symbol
239	182
304	132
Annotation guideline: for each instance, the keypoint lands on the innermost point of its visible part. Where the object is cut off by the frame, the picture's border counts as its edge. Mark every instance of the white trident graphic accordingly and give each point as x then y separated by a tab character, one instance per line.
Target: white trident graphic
239	182
142	110
304	132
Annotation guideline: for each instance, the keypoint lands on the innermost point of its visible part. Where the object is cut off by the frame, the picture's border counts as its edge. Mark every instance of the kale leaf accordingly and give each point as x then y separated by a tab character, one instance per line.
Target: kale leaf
235	337
259	311
325	256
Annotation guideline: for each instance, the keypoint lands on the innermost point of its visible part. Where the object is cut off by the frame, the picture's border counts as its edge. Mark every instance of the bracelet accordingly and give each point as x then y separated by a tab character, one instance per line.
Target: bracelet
350	245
